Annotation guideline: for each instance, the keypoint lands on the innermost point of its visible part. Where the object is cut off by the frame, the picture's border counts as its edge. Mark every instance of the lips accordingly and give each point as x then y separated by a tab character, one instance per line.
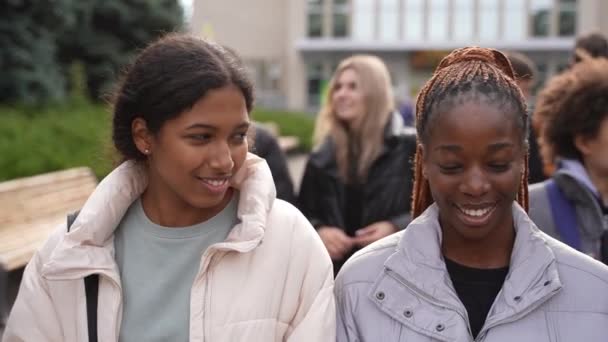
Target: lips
476	215
216	185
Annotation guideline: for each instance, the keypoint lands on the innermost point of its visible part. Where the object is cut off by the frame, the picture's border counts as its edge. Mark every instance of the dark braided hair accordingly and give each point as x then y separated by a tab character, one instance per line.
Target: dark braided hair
466	74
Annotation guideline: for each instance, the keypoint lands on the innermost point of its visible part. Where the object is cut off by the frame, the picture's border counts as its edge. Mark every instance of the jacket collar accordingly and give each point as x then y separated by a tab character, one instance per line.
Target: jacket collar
418	265
573	177
89	246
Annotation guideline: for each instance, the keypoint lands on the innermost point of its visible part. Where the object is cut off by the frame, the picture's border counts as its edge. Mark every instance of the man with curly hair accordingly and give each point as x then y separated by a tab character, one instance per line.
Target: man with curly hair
572	113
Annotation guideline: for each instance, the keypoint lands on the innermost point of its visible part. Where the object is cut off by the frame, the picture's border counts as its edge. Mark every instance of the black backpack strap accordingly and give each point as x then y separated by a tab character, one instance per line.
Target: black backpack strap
71	218
91	289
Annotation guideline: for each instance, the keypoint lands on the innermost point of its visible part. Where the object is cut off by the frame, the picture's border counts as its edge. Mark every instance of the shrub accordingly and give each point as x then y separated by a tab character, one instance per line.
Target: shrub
35	140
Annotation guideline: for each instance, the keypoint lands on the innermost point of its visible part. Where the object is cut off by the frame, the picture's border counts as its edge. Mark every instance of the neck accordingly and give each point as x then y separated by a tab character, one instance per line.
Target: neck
600	181
174	212
491	252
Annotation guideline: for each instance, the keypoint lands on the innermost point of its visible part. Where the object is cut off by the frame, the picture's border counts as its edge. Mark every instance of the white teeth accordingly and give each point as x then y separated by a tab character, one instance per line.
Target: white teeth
214	182
476	212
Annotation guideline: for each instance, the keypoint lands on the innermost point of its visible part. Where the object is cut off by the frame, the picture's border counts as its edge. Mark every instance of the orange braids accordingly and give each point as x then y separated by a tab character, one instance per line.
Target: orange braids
465	70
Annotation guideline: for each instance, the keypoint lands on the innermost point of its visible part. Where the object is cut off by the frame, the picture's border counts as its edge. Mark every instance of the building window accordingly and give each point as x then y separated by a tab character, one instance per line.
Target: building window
462	29
363	20
514	25
541	17
389	20
340	18
413	12
567	18
315	18
488	20
314	81
438	25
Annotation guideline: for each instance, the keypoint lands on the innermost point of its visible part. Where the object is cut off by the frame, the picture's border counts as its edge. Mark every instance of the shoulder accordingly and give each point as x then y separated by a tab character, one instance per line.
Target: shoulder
540	208
581	275
537	190
290	234
287	223
43	255
262	136
364	266
324	155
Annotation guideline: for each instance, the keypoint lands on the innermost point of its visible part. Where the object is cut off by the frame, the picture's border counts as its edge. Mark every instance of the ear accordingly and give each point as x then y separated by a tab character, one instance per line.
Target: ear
142	137
421	160
581	143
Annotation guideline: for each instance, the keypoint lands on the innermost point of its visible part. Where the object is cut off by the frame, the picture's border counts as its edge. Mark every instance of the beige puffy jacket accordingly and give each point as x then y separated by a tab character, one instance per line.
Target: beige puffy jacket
271	280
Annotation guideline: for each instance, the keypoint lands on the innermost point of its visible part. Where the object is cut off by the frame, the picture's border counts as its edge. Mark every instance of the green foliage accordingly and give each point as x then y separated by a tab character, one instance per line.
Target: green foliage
40	40
107	34
35	140
28	54
290	123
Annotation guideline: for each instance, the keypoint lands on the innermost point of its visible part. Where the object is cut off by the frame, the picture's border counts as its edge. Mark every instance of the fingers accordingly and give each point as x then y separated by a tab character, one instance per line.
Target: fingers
366	231
336	242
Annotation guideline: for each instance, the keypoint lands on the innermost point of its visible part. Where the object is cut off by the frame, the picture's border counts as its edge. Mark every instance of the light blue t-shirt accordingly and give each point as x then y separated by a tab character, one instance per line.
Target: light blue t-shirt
157	268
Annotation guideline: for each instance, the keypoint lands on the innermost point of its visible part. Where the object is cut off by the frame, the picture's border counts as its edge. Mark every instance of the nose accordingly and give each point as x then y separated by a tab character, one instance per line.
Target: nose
220	158
475	183
341	92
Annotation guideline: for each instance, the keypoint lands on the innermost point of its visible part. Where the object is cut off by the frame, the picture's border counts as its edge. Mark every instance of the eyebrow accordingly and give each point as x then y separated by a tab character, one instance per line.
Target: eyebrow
492	148
211	127
499	146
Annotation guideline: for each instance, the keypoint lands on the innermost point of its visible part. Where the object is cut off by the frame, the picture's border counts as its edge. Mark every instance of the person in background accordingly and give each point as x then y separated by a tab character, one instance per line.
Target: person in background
572	113
595	44
185	238
357	182
267	147
406	109
471	266
525	76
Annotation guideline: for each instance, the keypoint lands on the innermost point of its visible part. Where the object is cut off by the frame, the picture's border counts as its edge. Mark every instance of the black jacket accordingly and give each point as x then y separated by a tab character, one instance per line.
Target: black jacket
267	147
386	194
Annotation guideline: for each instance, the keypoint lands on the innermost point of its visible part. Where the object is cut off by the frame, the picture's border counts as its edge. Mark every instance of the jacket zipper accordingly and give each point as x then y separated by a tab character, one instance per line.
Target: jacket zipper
535	305
409	286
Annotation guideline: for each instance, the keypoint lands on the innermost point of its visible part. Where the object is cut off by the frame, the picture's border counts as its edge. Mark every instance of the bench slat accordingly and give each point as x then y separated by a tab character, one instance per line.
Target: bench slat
32	207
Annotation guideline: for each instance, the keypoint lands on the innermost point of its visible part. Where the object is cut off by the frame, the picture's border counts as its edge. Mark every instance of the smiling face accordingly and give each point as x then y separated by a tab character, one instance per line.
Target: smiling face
193	156
347	97
473	159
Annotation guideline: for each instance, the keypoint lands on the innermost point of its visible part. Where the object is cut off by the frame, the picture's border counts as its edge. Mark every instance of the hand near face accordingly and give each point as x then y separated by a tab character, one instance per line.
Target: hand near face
336	241
373	232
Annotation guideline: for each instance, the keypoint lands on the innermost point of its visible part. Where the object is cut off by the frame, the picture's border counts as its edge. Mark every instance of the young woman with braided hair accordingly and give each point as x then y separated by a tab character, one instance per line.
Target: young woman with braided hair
572	113
472	265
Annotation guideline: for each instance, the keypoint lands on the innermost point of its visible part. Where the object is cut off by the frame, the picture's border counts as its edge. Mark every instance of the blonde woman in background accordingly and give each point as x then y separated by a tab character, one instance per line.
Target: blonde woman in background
357	183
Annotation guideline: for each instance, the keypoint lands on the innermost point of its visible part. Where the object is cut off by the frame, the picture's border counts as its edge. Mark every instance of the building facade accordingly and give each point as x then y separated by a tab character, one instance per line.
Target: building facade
292	46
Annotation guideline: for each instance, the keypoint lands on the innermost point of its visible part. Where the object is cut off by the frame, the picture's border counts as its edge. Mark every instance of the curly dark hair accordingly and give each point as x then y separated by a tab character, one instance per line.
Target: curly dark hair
482	73
166	79
573	103
523	66
595	44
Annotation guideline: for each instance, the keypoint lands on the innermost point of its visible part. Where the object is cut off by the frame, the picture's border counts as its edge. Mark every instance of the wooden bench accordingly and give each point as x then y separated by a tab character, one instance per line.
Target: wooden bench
31	208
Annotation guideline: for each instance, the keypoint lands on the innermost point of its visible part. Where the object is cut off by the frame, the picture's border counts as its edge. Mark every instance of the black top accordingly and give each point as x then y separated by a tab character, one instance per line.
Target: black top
267	147
477	288
385	195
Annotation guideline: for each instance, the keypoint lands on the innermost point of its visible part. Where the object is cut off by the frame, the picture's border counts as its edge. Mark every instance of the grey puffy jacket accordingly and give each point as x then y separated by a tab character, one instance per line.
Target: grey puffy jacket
591	221
398	289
